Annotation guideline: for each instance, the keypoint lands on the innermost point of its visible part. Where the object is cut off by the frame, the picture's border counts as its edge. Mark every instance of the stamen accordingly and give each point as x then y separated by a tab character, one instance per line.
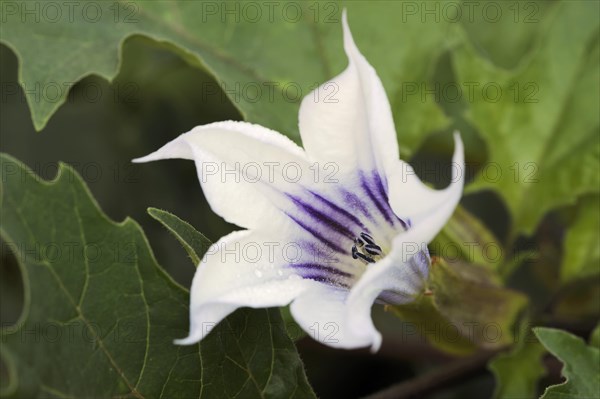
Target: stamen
361	256
373	249
366	252
367	238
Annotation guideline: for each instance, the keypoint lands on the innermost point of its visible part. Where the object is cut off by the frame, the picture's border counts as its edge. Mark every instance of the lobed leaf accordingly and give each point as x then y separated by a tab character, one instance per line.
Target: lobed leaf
265	56
581	364
518	372
100	315
542	130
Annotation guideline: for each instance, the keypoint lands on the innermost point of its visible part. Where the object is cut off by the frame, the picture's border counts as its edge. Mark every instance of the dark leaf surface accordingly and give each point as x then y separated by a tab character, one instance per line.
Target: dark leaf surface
100	315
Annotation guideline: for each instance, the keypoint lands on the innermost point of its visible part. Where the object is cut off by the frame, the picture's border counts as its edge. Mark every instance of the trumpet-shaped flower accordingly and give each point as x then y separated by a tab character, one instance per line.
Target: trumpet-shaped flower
331	228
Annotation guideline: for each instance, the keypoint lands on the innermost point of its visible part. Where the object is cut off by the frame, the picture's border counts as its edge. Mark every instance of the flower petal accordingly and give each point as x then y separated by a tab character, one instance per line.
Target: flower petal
321	312
239	160
240	270
403	271
348	120
411	199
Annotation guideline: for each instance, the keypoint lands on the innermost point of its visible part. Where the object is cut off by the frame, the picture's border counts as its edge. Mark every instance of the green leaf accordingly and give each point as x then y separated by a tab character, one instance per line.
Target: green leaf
542	132
595	337
194	242
518	372
265	56
582	242
100	315
464	308
507	34
581	364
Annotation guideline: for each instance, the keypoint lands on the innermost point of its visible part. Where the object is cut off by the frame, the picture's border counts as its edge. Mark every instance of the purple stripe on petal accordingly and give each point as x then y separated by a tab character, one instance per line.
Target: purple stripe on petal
405	225
382	207
340	210
320	253
384	193
356	204
321	217
326	280
317	267
379	186
419	264
315	233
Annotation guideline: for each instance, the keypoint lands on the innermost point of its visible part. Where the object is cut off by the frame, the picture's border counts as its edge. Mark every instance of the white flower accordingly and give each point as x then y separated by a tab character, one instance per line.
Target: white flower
330	228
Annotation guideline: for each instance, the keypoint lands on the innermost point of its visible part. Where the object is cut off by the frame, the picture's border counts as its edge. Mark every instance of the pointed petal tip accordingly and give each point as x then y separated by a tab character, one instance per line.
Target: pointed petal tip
349	44
154	156
161	153
376	342
457	137
376	345
189	340
458	148
141	159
